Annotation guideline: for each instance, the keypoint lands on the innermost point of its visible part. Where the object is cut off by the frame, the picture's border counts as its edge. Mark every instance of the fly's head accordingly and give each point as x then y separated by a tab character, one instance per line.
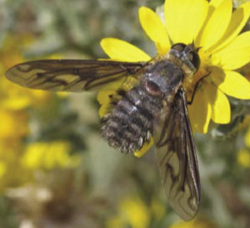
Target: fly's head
186	57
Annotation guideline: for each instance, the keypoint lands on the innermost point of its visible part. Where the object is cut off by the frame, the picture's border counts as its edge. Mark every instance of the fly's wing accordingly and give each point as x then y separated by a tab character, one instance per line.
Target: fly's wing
71	75
176	157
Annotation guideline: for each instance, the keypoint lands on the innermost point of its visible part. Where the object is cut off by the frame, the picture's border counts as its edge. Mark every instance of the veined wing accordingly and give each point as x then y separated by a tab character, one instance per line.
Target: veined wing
71	75
176	157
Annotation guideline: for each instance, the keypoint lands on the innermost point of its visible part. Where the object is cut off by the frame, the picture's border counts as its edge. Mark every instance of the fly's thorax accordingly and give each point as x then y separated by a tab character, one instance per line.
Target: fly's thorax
162	79
130	124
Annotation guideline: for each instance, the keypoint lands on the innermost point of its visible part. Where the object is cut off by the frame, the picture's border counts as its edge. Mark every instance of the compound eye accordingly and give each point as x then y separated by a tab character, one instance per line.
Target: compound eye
179	47
190	56
194	58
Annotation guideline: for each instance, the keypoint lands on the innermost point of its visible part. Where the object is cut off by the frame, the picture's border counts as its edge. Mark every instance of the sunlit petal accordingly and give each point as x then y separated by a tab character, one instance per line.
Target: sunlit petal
184	19
238	21
216	3
105	99
235	55
216	25
14	124
103	110
221	112
231	83
120	50
154	28
200	111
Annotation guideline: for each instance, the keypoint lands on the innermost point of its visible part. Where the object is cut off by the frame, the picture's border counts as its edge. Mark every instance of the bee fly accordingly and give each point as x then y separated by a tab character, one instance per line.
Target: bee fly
155	106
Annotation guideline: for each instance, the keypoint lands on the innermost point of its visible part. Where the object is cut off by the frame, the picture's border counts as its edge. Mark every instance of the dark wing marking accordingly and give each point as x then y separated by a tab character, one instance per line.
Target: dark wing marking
71	75
176	157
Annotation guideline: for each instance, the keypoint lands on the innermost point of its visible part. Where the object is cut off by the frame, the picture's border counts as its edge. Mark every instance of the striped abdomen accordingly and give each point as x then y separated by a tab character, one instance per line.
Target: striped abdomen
130	124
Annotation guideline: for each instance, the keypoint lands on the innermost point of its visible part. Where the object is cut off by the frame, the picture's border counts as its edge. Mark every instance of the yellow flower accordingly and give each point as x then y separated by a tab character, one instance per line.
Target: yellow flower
13	96
10	168
132	212
48	155
243	157
158	209
14	124
213	28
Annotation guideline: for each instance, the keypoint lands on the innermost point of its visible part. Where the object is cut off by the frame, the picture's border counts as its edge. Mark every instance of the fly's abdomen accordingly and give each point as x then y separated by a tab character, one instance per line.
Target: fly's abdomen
130	124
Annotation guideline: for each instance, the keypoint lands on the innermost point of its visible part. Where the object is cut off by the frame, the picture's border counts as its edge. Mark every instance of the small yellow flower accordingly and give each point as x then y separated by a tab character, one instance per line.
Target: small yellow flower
13	96
14	124
213	28
158	209
132	212
10	168
48	155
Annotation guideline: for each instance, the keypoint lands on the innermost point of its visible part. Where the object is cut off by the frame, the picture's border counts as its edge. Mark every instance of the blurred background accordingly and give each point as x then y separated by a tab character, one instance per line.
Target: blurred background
56	171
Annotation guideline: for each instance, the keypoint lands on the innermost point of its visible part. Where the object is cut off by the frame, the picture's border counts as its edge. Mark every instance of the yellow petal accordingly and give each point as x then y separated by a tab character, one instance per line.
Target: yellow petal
120	50
221	112
103	97
184	19
216	3
14	124
133	212
200	111
40	155
155	29
144	149
231	83
238	21
216	25
103	110
109	96
235	55
107	100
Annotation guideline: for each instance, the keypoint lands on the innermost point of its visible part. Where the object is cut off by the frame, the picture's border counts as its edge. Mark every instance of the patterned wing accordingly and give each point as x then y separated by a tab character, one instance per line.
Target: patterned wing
72	75
176	157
